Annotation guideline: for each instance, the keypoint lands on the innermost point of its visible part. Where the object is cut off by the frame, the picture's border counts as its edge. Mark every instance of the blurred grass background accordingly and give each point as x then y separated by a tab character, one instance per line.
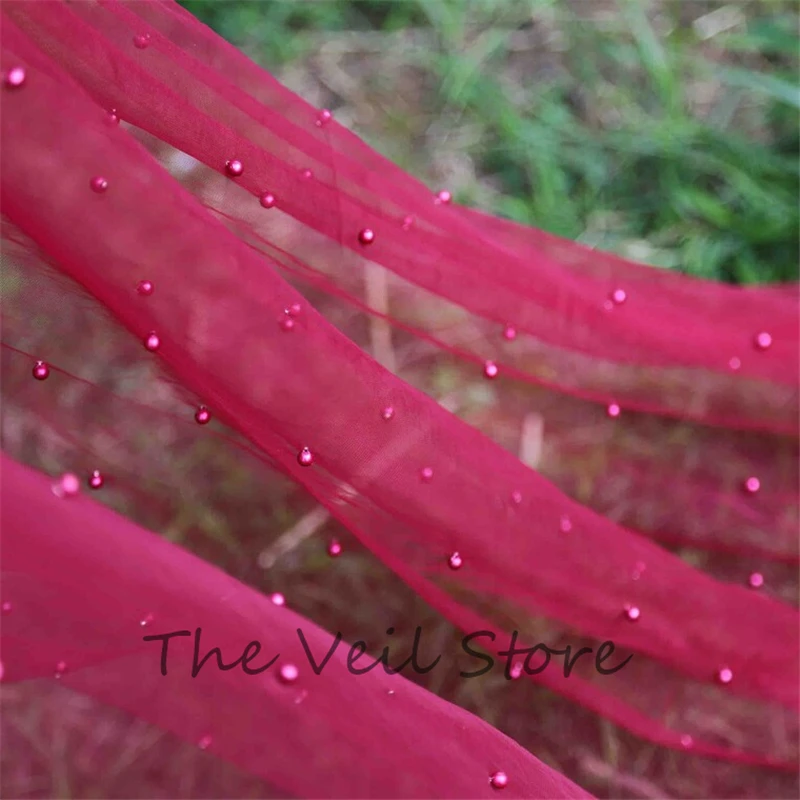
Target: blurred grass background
664	131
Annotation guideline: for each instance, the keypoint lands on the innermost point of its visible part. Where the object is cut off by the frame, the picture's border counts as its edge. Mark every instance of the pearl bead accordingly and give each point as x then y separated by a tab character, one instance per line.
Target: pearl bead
324	117
426	474
41	371
145	288
234	168
68	485
408	221
498	780
15	77
613	410
305	458
618	297
516	497
725	675
763	341
286	324
334	548
455	561
202	415
756	580
141	40
752	485
490	369
288	673
267	200
735	363
387	413
510	333
632	613
152	342
277	598
443	197
112	118
205	742
98	184
366	236
96	479
565	524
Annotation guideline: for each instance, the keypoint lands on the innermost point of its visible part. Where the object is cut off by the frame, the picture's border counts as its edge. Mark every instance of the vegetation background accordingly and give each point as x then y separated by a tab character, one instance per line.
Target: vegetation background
664	131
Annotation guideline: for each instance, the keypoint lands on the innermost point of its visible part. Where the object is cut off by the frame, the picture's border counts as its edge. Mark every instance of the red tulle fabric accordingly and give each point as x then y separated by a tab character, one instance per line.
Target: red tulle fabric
667	411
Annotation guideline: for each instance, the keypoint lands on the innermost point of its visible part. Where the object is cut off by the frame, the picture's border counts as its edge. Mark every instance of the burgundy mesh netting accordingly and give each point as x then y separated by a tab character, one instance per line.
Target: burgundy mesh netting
200	274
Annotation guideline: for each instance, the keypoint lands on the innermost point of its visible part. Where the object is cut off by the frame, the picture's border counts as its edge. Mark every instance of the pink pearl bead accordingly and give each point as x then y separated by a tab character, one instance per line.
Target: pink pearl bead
426	474
618	296
443	197
112	118
15	77
96	479
234	168
510	333
366	236
7	607
565	524
324	117
205	742
490	369
752	485
687	742
267	200
293	310
61	668
146	620
756	580
632	613
516	671
334	548
141	40
613	410
763	341
145	288
498	780
305	457
152	342
725	675
735	363
387	413
288	673
202	415
307	173
516	497
99	184
278	599
286	324
68	485
408	221
41	371
455	561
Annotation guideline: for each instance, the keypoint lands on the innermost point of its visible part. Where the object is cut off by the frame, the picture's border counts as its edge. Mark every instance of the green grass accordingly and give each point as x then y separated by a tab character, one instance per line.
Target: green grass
664	131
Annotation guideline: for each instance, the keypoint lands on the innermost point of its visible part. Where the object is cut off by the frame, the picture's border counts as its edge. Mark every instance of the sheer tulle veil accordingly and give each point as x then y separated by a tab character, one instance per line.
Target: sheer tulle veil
198	268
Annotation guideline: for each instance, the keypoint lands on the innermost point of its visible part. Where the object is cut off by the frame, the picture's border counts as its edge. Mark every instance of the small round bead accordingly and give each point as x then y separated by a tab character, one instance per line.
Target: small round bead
334	548
202	415
490	369
510	333
41	371
267	200
98	184
632	613
366	236
408	221
735	363
725	675
426	474
112	118
96	479
752	485
152	342
763	341
324	117
618	297
305	458
205	742
455	561
145	288
141	40
234	168
277	599
498	780
387	413
443	197
613	410
288	673
756	580
15	77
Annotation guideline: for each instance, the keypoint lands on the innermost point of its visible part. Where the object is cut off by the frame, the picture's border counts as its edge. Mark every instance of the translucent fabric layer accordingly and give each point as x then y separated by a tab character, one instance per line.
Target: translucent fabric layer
139	282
